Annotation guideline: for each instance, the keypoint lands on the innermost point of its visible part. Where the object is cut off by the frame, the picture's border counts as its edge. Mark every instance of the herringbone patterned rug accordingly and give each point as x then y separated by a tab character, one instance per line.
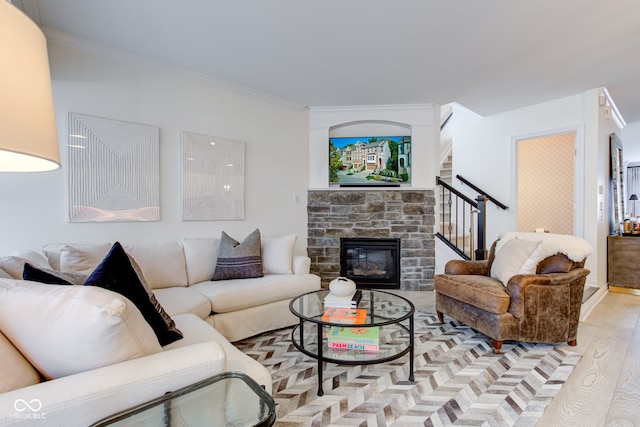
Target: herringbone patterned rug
458	381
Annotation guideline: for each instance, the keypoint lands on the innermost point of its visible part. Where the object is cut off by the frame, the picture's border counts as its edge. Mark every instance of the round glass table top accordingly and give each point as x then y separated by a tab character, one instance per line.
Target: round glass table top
381	308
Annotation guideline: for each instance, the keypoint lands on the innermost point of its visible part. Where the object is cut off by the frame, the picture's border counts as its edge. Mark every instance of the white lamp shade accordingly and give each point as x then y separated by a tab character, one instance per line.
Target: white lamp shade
28	138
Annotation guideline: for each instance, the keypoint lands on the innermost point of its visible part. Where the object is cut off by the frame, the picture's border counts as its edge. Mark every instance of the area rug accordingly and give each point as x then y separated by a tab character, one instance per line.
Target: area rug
459	381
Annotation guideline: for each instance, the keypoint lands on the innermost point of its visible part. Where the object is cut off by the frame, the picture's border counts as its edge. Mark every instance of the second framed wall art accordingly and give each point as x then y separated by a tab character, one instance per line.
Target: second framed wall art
212	178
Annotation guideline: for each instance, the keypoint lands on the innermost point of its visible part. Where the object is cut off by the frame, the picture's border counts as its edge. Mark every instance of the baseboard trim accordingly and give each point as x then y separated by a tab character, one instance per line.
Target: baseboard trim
620	290
592	302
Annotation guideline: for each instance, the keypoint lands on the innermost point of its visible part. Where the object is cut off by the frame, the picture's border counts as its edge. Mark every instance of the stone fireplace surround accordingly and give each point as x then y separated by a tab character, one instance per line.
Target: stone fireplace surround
407	214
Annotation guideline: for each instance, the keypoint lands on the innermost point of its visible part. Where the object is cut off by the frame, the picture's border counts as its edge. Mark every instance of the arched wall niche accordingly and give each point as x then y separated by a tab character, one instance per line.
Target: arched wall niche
421	122
370	128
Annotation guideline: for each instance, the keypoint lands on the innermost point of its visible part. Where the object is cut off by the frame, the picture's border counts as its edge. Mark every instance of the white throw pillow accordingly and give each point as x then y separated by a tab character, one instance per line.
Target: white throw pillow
82	259
200	256
14	265
63	330
277	254
515	257
34	257
15	371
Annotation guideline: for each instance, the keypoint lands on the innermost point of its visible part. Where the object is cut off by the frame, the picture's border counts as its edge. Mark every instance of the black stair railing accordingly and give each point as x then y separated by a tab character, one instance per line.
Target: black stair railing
479	191
456	218
463	221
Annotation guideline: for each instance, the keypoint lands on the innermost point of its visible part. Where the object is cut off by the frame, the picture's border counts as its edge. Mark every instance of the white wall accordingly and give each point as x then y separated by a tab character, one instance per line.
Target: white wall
116	86
484	153
630	137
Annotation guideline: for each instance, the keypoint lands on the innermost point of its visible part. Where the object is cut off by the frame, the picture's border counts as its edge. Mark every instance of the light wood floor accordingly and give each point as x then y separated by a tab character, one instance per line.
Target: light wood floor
604	388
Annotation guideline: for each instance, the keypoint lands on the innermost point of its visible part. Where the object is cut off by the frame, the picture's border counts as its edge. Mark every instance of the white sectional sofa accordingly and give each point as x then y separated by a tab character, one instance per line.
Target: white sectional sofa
62	329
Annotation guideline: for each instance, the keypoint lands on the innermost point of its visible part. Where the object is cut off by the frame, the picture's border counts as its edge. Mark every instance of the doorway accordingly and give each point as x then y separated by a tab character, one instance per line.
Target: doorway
545	183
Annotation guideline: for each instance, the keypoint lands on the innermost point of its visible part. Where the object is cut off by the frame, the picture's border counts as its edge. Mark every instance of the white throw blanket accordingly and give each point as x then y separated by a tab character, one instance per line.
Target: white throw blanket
575	248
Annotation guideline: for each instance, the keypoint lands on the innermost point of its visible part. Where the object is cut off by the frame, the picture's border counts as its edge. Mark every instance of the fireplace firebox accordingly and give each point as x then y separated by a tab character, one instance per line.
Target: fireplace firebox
371	263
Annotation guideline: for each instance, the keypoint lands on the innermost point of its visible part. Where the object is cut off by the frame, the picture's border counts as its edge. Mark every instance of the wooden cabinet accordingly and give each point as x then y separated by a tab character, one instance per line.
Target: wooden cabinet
623	264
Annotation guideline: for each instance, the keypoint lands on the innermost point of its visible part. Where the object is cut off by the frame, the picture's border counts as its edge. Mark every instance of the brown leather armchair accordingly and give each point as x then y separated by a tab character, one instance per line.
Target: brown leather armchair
542	307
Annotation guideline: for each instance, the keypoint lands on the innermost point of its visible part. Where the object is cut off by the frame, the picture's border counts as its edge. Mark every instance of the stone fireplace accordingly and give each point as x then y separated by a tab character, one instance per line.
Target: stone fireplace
395	213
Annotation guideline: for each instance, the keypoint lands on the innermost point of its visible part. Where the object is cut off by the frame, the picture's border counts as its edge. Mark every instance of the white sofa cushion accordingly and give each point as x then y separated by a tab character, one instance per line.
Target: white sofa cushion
238	294
86	326
34	257
13	264
197	331
183	300
83	259
15	371
277	254
53	251
163	264
200	256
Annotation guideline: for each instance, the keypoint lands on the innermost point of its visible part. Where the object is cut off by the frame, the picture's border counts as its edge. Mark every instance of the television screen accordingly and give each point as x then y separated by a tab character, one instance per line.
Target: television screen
370	160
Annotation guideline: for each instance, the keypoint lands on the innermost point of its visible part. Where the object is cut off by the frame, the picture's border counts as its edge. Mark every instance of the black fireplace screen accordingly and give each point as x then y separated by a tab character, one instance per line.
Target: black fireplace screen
371	263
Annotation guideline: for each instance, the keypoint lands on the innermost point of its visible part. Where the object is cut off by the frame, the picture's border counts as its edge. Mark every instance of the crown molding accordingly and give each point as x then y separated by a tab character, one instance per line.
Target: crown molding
383	107
615	113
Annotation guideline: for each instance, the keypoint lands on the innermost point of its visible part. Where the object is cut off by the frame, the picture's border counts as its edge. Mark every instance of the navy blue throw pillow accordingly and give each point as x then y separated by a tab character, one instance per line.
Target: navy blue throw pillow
116	274
49	277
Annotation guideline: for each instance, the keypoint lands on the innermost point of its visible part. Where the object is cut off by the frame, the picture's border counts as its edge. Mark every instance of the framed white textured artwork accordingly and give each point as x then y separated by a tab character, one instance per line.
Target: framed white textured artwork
113	170
212	178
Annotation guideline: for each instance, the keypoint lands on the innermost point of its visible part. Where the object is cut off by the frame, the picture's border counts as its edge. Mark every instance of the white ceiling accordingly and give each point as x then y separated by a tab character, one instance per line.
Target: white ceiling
488	55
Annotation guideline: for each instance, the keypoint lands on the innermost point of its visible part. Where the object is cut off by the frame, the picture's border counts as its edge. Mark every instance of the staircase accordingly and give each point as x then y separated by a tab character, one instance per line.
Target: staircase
455	223
446	170
452	227
462	220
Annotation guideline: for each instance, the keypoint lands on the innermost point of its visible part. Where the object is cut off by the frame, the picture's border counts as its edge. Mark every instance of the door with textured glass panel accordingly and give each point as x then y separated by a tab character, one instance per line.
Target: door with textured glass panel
545	183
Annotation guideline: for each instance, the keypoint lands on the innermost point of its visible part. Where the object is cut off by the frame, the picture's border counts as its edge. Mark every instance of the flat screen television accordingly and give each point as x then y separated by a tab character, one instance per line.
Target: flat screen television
370	161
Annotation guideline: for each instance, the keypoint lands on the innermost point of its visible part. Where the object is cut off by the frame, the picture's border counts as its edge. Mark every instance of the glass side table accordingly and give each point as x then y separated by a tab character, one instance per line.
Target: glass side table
227	399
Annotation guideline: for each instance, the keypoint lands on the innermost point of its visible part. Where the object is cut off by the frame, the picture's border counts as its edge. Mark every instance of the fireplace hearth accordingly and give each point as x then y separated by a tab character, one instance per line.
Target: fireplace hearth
371	263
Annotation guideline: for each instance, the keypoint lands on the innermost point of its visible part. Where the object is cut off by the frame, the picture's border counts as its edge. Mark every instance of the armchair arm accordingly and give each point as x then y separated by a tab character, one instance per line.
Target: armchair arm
476	268
547	306
544	288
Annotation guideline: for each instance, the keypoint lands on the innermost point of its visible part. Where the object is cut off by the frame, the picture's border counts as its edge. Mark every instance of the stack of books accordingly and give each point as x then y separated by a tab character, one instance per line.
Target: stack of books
354	316
354	338
347	301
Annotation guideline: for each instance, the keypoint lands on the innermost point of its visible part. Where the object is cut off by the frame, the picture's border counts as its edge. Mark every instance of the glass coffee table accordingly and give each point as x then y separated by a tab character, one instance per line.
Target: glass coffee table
227	399
390	314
